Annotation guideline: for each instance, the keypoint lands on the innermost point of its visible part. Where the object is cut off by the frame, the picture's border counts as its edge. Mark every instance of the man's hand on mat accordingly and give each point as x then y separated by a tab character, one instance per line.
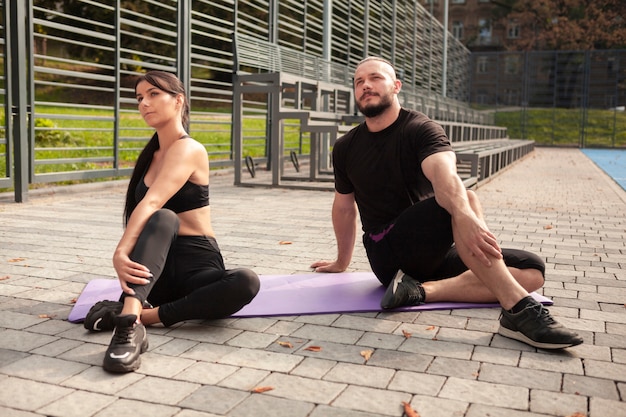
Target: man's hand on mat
327	266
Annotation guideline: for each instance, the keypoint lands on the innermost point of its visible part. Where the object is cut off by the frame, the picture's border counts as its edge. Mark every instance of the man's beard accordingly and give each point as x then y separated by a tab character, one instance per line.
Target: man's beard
375	109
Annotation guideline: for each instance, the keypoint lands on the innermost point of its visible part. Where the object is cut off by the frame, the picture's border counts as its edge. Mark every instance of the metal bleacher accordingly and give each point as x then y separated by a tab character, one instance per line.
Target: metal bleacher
317	96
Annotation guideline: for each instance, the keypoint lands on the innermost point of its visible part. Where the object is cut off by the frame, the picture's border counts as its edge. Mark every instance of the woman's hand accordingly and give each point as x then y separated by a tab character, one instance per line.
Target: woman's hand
130	272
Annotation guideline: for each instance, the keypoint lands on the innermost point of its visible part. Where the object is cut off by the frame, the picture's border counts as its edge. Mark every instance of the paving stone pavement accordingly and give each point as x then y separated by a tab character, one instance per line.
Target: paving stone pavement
554	202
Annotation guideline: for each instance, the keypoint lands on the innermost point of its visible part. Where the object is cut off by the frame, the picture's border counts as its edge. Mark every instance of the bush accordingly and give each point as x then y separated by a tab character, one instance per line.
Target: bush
46	136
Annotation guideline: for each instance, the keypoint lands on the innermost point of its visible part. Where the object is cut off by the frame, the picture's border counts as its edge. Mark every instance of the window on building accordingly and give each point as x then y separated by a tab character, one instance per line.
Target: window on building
484	31
457	29
481	65
513	30
512	64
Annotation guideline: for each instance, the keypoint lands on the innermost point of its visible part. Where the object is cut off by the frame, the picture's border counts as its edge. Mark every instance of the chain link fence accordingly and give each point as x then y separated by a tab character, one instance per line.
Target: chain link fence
557	98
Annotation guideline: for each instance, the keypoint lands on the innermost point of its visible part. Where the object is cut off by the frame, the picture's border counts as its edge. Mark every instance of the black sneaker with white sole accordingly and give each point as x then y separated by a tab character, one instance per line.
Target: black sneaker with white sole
128	343
535	326
403	291
101	316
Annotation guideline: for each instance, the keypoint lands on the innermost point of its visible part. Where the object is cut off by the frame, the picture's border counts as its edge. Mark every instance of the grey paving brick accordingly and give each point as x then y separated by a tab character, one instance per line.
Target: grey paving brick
43	369
244	379
429	406
495	355
313	368
77	404
9	356
57	347
590	387
258	359
323	410
372	400
28	395
369	376
208	352
333	351
485	393
529	378
400	360
380	340
159	390
481	410
23	341
555	403
204	333
328	334
203	372
95	379
252	340
454	367
174	347
302	389
464	336
602	369
164	366
555	362
417	383
601	407
11	412
366	324
437	348
259	405
139	409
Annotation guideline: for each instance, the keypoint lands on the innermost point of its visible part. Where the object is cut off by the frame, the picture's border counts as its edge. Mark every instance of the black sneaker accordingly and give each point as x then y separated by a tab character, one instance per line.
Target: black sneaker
101	316
535	326
403	291
129	341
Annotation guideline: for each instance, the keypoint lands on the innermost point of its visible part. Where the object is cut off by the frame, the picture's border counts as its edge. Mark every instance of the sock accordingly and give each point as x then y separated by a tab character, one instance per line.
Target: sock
522	304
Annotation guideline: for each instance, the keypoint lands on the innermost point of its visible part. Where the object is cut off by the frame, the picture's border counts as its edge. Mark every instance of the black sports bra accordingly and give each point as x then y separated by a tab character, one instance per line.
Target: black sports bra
190	196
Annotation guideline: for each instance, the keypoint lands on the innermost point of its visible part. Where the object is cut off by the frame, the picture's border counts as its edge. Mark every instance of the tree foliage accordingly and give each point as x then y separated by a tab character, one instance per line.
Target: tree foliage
564	24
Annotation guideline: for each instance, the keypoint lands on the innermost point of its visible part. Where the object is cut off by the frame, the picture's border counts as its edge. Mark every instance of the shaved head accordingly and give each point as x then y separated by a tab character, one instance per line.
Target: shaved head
378	59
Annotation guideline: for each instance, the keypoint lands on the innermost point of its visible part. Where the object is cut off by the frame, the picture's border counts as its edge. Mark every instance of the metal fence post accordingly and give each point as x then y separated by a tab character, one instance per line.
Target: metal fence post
17	121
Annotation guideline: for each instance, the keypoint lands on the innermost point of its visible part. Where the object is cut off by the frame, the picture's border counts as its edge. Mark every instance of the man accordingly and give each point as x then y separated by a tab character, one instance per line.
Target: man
424	233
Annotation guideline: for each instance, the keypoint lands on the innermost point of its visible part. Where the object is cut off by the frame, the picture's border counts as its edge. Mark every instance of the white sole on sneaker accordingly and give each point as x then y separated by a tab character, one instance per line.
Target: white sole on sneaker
519	336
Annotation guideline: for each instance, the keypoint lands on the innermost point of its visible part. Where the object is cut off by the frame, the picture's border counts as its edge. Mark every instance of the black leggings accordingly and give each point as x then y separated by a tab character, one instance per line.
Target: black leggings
420	242
189	278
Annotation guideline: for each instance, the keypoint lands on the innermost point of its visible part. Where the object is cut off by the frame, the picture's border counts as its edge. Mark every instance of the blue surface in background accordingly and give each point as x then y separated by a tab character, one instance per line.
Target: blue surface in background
611	161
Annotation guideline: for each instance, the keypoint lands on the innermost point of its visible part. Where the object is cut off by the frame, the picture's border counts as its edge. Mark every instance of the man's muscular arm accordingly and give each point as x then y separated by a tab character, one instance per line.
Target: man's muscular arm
344	215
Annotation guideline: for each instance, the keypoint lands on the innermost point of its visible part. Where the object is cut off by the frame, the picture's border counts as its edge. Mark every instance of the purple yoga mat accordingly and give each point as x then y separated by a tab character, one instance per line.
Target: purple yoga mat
288	295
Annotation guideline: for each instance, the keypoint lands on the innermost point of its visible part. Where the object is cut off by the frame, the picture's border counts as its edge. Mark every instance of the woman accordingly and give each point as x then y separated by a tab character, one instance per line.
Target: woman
168	256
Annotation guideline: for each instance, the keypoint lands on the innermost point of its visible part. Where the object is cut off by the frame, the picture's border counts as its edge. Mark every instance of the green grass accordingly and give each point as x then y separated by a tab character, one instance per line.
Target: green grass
73	139
564	127
57	139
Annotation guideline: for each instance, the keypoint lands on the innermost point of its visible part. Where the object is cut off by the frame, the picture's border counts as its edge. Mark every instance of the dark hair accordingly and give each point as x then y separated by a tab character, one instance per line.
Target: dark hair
170	84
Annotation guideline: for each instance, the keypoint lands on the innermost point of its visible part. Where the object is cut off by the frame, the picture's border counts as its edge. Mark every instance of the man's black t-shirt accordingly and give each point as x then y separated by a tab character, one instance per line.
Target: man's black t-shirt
383	169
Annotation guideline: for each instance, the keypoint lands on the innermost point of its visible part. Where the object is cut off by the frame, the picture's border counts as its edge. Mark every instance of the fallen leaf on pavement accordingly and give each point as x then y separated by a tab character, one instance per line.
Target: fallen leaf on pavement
367	354
408	410
430	328
284	242
547	227
262	389
406	334
285	344
313	348
16	260
4	278
46	316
